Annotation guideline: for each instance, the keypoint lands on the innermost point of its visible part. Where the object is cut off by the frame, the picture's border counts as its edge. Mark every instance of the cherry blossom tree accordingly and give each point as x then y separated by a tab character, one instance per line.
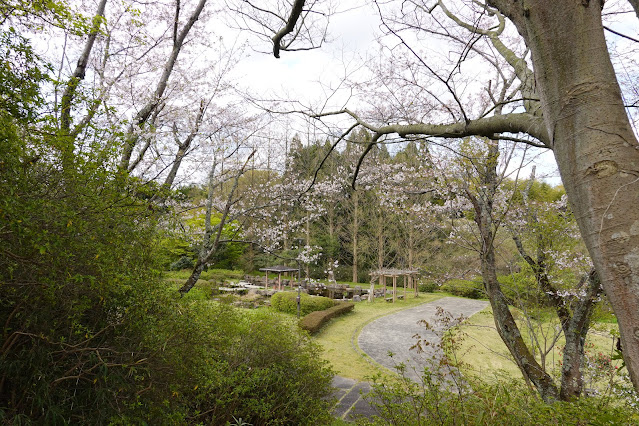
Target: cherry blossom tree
566	97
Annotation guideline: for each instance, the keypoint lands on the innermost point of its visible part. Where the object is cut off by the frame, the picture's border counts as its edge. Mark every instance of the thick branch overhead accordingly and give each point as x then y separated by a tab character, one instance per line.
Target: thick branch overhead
484	126
288	28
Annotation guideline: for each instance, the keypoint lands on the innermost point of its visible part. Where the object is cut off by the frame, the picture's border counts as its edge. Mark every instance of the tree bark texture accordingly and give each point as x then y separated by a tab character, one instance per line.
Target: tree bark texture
504	321
575	331
355	234
593	142
80	70
143	115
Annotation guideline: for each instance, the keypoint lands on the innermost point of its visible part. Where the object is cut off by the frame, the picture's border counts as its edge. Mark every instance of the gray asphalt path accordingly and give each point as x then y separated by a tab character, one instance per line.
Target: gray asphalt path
394	333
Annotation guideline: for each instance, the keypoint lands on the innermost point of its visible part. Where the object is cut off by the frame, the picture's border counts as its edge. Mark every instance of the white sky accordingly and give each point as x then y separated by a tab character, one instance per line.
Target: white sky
351	33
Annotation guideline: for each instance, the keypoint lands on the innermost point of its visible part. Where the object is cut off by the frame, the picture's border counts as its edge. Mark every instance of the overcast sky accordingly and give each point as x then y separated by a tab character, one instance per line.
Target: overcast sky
305	75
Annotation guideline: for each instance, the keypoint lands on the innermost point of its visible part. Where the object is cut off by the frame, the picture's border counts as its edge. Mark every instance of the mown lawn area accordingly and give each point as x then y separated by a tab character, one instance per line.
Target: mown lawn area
485	355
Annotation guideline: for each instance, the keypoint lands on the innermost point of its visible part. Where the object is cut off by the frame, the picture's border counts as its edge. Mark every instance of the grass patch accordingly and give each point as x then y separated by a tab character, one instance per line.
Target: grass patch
486	355
339	336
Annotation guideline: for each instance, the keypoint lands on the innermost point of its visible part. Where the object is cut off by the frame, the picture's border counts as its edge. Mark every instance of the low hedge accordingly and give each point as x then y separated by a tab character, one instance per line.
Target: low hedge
315	320
463	288
287	302
427	286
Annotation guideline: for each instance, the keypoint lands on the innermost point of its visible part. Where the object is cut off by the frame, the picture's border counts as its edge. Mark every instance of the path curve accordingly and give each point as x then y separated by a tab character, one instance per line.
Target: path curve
394	333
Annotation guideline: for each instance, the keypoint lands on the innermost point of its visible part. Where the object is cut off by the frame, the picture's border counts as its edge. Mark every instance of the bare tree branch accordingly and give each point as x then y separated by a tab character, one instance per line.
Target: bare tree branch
296	12
143	115
80	71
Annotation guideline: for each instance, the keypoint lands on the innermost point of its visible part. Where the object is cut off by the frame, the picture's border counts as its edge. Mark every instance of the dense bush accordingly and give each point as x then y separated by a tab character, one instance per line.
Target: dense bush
315	320
287	302
91	336
463	288
427	286
253	365
184	262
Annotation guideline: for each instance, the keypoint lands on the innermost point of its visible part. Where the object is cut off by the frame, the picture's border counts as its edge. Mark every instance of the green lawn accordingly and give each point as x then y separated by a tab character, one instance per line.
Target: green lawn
481	350
485	354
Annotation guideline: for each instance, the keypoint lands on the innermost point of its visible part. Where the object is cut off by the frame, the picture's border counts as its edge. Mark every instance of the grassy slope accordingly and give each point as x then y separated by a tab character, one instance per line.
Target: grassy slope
486	355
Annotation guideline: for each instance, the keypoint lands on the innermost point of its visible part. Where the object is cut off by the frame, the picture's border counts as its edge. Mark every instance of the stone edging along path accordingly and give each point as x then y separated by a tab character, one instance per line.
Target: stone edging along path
394	333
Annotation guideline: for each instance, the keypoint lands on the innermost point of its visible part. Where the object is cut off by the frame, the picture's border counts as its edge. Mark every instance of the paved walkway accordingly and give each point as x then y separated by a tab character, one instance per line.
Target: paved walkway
394	333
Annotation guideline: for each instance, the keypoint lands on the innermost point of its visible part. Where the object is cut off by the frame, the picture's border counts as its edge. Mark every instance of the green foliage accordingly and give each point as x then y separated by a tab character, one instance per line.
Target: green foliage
253	365
75	271
228	254
183	262
522	287
463	288
34	13
427	286
538	191
91	335
498	403
172	249
20	76
315	320
287	302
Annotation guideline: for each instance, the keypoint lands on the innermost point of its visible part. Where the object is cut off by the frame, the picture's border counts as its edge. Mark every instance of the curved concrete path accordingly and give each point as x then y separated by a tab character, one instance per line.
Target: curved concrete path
395	333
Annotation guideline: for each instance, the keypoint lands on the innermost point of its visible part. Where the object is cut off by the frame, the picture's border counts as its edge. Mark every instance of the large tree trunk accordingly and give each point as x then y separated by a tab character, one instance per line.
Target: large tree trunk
506	325
354	235
595	147
504	321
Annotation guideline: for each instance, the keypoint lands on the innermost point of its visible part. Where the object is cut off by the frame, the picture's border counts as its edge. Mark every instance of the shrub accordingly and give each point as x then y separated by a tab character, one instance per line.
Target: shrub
92	336
499	403
315	320
463	288
287	302
254	365
427	286
184	262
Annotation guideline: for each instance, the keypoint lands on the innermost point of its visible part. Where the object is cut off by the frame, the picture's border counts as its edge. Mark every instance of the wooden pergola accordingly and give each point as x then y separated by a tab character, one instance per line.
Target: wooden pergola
279	270
381	274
